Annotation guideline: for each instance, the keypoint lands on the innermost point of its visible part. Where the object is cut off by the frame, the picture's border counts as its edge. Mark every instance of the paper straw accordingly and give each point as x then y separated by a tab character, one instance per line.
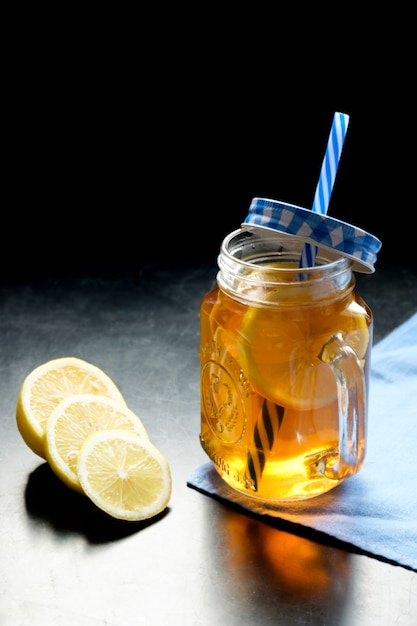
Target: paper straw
269	422
266	429
327	178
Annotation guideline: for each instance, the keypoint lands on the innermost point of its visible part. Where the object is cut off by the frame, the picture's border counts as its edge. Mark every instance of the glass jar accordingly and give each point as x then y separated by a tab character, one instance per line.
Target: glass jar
285	359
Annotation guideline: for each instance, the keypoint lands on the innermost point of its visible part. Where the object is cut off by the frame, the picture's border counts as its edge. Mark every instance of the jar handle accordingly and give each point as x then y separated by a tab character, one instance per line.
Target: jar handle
351	390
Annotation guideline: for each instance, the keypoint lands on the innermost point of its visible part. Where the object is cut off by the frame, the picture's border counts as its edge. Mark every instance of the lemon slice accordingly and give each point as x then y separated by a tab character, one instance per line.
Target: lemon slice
124	475
279	350
47	385
73	420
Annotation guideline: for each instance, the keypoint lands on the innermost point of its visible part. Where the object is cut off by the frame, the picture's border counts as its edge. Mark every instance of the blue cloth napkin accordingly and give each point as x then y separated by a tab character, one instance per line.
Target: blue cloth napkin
375	510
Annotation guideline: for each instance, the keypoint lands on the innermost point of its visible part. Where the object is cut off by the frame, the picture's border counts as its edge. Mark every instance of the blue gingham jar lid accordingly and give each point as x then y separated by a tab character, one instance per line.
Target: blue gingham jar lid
317	229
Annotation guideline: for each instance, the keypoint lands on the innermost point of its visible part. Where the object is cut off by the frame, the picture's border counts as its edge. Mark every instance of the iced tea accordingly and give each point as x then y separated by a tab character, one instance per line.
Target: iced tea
284	377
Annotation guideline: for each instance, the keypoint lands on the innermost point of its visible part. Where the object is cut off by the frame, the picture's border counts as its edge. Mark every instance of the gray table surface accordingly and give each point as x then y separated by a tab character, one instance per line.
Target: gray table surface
200	563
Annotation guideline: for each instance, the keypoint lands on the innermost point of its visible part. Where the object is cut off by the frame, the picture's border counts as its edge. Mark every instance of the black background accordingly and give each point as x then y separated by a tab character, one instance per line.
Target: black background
145	133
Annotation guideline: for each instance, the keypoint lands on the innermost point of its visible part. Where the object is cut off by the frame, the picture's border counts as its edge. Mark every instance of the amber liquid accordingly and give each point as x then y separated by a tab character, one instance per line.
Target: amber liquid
265	441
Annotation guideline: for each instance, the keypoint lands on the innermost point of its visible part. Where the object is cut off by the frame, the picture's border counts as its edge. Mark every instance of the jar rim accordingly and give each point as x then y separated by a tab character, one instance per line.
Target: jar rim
330	260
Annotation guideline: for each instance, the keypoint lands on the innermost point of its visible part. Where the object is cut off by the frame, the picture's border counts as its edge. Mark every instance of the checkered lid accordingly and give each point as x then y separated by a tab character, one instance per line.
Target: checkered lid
317	229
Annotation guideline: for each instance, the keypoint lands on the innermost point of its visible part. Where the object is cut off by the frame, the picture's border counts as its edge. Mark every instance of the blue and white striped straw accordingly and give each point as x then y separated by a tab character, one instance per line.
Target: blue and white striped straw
327	178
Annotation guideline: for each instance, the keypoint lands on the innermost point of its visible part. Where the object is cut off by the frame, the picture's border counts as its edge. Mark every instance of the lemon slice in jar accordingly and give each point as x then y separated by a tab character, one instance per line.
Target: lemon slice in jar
279	350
